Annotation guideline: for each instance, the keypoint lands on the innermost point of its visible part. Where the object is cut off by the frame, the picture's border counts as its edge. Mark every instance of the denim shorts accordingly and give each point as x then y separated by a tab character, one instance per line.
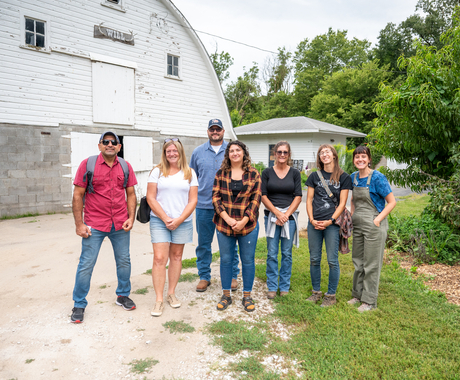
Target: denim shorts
160	234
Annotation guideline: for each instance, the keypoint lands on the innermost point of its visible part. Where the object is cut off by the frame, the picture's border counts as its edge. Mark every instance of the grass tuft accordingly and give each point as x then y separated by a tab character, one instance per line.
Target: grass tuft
148	271
28	361
28	215
142	365
142	291
238	336
178	327
188	277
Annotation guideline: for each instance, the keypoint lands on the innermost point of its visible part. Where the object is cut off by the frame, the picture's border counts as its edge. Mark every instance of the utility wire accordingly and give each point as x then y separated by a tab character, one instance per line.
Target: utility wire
222	38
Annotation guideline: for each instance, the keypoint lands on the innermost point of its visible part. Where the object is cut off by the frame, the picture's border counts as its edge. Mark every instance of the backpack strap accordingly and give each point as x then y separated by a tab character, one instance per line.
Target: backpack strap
326	187
90	167
125	168
88	176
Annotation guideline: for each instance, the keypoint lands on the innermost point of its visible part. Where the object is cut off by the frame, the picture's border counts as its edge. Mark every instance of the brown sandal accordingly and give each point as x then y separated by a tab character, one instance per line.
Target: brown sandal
248	304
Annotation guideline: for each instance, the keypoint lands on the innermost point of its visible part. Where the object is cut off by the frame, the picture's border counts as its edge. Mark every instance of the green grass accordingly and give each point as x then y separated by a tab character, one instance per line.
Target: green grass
188	277
148	271
178	327
413	334
142	291
412	204
19	216
28	361
142	365
191	263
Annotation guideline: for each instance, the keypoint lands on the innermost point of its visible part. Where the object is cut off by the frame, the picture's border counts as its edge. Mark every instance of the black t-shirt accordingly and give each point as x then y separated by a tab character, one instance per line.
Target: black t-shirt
323	206
236	187
281	192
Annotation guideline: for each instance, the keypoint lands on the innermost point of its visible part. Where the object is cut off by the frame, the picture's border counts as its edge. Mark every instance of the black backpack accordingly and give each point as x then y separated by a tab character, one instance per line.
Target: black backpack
91	164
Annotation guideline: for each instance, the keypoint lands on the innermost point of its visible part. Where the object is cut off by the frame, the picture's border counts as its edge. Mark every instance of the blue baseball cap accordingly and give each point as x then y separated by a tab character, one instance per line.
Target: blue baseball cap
215	122
109	133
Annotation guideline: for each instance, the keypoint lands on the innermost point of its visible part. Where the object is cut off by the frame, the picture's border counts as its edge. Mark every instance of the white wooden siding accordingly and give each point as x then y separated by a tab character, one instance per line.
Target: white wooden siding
304	146
53	88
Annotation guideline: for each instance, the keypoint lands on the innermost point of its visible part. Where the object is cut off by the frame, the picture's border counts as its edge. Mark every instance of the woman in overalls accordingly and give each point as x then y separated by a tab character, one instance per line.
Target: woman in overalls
370	225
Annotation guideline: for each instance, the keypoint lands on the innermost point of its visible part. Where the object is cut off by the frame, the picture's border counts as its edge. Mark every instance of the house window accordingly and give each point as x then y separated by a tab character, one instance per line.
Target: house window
173	65
35	32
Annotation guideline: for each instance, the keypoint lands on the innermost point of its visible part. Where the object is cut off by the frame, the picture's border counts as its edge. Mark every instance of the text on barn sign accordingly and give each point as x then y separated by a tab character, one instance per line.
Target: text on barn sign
103	32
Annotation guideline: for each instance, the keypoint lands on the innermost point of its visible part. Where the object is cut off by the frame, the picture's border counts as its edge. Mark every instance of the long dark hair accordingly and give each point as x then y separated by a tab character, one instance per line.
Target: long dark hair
337	171
226	163
275	149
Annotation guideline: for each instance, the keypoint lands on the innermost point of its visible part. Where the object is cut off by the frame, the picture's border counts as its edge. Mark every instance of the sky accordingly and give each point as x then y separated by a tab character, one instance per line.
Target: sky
269	24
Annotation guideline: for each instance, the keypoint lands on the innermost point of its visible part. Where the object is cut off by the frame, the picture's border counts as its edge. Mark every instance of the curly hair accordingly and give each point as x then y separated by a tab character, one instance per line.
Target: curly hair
227	165
283	143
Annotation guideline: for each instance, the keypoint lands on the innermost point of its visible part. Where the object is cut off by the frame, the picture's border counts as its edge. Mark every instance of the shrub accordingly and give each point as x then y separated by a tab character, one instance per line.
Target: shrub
426	237
260	167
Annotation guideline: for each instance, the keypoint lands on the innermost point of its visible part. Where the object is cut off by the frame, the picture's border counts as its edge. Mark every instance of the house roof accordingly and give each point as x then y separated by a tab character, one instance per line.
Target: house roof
298	124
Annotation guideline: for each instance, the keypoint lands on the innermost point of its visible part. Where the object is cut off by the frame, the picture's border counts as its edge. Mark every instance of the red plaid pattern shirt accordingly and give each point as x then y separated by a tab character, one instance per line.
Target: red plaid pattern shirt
246	203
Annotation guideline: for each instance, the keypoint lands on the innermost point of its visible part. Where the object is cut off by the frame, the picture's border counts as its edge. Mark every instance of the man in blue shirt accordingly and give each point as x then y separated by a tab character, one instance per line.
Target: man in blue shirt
206	160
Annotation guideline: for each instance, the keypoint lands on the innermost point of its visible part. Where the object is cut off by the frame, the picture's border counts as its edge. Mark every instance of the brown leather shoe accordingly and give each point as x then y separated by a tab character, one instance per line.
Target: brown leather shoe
282	294
271	295
234	285
203	285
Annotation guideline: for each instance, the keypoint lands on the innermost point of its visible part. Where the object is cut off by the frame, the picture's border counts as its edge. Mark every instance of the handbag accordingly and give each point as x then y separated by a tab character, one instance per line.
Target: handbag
143	212
344	220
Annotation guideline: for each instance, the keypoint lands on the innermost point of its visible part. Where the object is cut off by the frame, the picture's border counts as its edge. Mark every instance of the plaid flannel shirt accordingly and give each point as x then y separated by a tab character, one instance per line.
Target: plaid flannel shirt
246	203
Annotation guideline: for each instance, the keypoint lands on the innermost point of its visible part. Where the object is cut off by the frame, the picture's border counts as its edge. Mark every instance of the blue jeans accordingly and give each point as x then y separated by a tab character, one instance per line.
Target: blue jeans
286	258
247	246
331	237
89	252
205	228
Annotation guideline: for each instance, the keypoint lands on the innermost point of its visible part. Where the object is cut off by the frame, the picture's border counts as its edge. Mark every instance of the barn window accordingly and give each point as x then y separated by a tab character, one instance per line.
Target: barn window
173	66
35	32
114	4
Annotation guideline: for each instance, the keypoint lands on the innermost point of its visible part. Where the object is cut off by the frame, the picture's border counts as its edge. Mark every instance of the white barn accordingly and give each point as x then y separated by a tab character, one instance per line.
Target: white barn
70	70
305	136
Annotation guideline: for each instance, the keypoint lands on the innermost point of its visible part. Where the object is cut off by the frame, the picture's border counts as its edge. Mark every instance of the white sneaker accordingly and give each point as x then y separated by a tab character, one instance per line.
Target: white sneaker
157	309
353	301
173	301
366	307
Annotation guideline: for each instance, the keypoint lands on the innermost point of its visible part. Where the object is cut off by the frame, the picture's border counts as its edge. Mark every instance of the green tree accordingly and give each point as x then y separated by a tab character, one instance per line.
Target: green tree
277	71
435	21
347	97
243	95
393	41
325	54
221	62
418	124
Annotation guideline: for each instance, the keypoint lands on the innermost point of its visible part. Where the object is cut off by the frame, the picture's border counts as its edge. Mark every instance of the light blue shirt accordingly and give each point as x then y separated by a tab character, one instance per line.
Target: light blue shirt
379	187
206	163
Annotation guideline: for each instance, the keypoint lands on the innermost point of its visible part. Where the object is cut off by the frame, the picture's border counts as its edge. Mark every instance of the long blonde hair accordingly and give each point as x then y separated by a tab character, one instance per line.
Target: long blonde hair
183	165
337	171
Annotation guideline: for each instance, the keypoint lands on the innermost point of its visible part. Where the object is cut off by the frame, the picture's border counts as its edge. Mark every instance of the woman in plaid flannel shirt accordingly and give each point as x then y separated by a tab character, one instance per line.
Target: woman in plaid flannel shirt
236	198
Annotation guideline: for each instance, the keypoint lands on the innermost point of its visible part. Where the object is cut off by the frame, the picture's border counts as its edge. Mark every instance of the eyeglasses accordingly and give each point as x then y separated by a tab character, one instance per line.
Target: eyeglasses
172	139
282	153
107	142
212	130
324	152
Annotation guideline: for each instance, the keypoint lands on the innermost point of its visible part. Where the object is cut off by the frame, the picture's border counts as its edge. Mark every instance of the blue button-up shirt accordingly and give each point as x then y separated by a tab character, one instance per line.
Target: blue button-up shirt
206	163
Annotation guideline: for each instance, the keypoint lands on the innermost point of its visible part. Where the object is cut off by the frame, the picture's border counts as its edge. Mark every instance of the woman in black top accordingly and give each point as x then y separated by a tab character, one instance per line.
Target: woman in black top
322	212
281	195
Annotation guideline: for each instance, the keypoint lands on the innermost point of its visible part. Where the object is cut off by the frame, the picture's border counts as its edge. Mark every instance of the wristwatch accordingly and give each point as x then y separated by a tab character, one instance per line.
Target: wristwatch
333	220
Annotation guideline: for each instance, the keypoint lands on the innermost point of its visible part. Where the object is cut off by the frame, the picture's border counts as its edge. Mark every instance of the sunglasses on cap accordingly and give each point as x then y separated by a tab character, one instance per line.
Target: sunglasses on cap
172	139
106	142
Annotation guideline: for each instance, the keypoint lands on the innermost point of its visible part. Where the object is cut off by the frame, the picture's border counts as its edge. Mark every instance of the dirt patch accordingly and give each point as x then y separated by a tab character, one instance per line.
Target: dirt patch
444	278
